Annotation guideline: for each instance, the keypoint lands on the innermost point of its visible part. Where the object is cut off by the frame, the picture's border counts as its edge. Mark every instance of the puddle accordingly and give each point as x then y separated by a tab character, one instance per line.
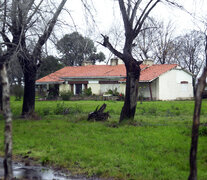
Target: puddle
21	171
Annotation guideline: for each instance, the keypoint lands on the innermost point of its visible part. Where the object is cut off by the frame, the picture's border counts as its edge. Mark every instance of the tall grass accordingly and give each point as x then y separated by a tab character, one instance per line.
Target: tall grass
156	148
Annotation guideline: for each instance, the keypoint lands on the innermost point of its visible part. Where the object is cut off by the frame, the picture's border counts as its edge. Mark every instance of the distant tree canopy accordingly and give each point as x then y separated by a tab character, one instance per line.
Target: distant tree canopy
75	49
49	65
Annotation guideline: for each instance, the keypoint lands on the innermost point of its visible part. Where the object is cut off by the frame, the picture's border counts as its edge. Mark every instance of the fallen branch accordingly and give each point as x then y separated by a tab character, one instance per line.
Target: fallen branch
99	114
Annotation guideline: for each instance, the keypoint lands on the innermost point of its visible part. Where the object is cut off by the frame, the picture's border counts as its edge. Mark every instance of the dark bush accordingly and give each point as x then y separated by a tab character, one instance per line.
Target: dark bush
87	92
66	95
18	92
62	109
113	92
203	131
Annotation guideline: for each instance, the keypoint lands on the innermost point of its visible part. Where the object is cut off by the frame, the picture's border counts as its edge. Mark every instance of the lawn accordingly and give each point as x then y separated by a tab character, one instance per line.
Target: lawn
155	147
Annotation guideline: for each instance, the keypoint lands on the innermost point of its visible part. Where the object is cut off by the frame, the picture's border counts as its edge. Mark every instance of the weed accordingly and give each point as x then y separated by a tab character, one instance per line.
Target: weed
60	108
177	113
203	131
46	111
168	113
44	160
152	111
66	95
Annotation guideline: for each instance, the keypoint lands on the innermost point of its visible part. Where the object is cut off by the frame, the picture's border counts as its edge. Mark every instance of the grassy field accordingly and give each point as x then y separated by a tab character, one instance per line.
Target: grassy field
156	148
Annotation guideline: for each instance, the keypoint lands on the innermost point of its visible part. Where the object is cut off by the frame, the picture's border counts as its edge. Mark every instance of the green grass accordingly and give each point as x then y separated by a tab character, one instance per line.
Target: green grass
156	149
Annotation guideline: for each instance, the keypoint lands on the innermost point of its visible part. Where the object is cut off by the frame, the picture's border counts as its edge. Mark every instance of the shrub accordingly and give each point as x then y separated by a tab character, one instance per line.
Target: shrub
53	92
60	109
46	111
121	97
66	95
110	92
113	92
203	131
18	92
87	92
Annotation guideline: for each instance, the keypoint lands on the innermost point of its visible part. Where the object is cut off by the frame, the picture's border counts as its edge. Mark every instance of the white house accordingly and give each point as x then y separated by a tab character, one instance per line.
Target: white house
157	82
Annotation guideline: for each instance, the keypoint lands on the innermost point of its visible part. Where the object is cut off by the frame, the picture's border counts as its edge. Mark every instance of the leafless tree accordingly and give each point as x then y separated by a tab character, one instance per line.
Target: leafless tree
30	23
200	86
190	54
6	52
134	14
196	119
8	123
16	19
144	42
164	49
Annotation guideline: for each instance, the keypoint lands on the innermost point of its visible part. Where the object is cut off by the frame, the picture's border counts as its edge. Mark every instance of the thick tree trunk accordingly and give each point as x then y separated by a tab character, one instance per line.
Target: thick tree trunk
8	174
196	122
29	92
131	93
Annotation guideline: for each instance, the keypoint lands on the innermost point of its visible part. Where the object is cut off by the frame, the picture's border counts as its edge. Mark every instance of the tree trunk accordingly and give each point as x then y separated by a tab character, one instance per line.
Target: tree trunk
196	122
8	174
29	92
131	93
1	103
194	85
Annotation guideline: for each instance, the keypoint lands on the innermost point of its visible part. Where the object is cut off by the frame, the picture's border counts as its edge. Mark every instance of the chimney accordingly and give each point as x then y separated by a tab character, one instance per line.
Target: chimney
87	63
148	62
115	61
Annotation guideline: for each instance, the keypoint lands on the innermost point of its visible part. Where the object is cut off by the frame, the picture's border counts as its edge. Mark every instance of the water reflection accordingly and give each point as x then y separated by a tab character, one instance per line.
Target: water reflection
36	173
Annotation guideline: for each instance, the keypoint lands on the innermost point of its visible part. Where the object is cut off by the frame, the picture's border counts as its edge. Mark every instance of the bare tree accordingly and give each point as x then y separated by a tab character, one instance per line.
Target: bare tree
196	118
1	105
191	53
132	27
164	49
6	52
8	174
30	24
17	17
144	42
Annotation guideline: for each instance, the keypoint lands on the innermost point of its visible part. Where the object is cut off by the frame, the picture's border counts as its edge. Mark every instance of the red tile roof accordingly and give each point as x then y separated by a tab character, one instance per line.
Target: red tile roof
154	71
148	73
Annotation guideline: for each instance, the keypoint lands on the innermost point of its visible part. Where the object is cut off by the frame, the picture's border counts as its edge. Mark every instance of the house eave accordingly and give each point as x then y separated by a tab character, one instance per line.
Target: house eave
93	78
49	82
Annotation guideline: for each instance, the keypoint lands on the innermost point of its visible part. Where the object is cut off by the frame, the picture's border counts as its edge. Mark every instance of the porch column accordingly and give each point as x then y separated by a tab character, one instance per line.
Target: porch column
74	89
150	89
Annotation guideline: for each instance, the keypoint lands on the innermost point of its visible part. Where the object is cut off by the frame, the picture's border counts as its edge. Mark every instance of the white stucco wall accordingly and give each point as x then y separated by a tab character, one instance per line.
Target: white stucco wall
171	88
95	87
105	87
122	88
64	87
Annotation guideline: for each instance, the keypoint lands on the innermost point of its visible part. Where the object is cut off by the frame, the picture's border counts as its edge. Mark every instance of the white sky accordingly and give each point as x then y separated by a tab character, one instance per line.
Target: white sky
106	10
107	13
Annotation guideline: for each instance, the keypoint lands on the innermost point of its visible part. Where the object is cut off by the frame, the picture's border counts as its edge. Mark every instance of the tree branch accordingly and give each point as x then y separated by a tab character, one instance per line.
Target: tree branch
6	39
144	16
108	45
36	9
42	39
127	25
134	12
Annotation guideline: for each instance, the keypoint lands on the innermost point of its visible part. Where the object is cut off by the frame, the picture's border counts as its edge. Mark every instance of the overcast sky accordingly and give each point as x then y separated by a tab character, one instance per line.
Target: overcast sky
106	13
107	10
